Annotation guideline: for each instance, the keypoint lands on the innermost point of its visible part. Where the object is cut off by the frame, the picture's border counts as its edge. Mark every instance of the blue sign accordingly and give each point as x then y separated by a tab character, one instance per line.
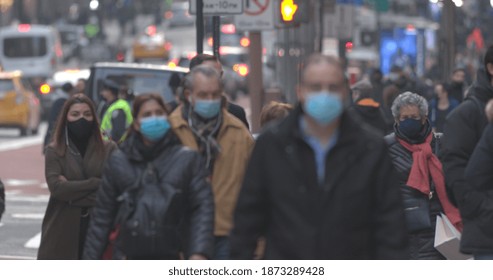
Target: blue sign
350	2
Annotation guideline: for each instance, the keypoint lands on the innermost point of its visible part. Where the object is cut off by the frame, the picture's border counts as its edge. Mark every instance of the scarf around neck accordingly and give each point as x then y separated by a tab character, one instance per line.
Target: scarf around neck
205	132
425	163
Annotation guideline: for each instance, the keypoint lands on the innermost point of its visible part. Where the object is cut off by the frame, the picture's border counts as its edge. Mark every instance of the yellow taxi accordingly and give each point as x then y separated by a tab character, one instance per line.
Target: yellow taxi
151	45
19	107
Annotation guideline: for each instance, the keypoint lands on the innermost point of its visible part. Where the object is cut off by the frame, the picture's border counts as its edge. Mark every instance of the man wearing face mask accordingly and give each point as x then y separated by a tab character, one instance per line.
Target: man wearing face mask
319	185
202	123
118	117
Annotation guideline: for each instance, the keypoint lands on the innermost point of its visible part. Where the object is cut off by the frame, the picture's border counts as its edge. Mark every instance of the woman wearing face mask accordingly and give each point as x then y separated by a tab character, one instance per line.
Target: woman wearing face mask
152	158
74	164
413	148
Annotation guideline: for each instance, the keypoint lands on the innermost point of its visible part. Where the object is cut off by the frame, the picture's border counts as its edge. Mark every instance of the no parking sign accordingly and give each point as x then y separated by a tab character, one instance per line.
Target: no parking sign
257	15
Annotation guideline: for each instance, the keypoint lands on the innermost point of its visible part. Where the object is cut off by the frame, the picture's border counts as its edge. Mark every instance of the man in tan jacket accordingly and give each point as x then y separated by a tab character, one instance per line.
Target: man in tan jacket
202	123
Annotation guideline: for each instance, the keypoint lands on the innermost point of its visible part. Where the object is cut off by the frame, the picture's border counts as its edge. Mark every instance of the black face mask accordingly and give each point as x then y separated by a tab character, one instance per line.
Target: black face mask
80	129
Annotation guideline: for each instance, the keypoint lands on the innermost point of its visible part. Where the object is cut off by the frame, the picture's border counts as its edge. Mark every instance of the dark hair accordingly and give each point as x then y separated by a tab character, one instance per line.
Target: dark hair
488	58
140	100
445	86
201	58
59	135
67	87
274	111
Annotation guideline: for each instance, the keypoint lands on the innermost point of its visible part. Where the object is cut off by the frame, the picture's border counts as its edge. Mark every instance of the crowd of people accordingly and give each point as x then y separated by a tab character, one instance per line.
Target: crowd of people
323	180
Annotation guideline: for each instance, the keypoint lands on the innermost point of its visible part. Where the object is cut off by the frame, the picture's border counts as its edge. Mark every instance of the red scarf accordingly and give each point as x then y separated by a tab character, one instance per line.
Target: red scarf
424	163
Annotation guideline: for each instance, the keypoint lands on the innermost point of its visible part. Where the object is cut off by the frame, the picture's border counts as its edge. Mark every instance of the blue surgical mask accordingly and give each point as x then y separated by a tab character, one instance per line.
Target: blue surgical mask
154	128
207	108
323	106
410	127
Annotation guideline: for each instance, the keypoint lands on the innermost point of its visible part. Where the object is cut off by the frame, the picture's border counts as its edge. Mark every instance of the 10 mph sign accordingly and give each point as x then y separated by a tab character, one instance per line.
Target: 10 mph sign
218	7
257	15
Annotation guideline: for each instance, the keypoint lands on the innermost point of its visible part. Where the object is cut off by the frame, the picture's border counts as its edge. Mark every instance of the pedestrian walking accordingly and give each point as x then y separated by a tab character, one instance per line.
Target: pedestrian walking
118	115
73	167
169	194
477	236
203	124
463	129
413	148
367	109
319	185
441	106
213	61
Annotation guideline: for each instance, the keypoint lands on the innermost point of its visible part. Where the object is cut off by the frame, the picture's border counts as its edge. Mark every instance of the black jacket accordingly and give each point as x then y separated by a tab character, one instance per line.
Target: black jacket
373	116
179	170
356	214
421	242
463	129
477	235
238	112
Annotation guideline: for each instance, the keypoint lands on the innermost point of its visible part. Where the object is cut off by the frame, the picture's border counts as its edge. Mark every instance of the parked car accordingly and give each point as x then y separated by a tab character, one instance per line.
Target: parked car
151	45
19	106
35	50
134	79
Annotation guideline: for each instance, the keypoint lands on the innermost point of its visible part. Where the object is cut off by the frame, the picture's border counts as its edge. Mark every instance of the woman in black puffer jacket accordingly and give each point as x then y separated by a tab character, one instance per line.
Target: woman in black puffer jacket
168	184
413	147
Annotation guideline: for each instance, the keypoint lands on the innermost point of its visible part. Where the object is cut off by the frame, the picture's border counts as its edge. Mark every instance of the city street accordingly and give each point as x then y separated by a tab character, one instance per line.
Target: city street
22	172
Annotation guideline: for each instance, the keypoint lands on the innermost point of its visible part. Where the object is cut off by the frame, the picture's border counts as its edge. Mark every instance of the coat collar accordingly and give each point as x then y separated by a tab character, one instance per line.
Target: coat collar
178	122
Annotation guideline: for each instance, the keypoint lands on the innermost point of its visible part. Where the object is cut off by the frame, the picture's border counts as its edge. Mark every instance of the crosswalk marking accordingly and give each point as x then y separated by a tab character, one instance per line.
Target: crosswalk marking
34	216
34	242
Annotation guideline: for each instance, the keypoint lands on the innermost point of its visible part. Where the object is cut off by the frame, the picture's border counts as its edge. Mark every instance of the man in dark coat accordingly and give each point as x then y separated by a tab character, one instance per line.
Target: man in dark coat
319	185
477	236
463	129
366	109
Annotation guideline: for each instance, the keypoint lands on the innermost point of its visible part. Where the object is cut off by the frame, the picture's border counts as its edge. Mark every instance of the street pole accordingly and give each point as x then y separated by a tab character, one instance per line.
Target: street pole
447	39
255	81
216	34
200	26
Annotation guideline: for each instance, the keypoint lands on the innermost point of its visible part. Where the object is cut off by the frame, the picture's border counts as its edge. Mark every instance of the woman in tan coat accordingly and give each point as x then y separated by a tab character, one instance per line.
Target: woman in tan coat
73	166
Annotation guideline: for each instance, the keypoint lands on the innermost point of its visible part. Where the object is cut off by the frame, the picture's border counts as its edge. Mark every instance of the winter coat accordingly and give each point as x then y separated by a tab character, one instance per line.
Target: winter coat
60	232
477	235
421	242
182	178
371	115
463	129
356	213
236	144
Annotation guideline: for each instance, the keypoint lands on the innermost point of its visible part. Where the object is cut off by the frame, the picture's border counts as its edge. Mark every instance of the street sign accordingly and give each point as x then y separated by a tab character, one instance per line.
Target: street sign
218	7
258	15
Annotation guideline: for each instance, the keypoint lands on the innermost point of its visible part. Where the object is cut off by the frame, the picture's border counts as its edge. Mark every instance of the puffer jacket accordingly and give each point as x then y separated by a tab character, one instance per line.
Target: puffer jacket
421	242
178	170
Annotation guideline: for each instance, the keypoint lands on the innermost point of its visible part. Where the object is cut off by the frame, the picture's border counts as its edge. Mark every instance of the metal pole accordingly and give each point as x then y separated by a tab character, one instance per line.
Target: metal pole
321	25
216	35
255	82
200	26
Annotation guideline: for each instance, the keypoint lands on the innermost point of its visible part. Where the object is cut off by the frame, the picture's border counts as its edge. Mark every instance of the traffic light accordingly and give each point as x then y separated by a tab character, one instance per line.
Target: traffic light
288	10
293	12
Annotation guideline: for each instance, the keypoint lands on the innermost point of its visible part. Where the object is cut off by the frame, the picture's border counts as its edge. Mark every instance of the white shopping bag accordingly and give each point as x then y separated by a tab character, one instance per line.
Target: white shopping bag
447	239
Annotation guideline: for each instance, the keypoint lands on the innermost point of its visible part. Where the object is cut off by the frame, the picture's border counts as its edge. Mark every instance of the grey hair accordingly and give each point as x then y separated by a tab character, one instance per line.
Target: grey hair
206	70
409	99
